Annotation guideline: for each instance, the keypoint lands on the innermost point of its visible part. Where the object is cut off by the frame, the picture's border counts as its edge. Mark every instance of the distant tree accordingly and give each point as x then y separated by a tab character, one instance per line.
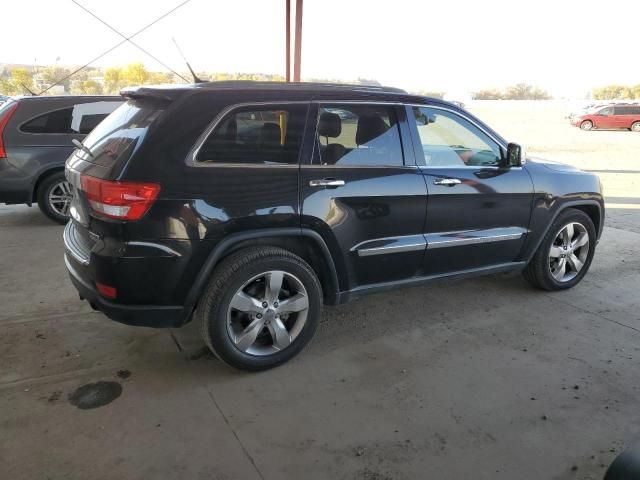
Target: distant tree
7	87
488	94
135	74
90	87
113	80
53	75
432	94
520	91
616	92
22	79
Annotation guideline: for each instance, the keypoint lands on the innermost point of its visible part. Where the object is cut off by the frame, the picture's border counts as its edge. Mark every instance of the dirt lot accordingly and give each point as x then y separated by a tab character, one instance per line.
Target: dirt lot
483	379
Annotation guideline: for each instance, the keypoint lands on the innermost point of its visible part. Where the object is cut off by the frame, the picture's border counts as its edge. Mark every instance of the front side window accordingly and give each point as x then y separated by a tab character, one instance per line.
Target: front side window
268	135
449	140
358	135
606	111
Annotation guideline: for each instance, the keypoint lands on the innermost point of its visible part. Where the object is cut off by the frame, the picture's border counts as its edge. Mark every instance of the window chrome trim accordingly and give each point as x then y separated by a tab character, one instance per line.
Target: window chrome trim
381	246
473	237
193	153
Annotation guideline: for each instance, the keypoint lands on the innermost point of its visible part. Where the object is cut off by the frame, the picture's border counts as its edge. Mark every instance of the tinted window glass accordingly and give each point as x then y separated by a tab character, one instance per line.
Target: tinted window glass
269	134
358	135
449	140
121	132
81	118
58	121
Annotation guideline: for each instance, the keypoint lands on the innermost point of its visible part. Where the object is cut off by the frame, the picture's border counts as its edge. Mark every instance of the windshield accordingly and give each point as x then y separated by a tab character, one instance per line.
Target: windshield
118	135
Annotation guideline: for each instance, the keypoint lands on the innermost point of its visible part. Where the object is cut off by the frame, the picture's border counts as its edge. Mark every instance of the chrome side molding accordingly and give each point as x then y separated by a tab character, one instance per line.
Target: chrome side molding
411	243
473	237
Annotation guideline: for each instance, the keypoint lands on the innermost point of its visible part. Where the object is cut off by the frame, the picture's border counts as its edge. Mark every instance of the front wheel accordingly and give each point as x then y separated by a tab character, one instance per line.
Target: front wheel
586	125
261	307
564	256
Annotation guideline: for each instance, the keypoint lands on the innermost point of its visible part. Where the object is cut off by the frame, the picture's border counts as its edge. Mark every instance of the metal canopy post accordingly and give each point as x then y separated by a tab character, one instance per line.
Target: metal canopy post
297	48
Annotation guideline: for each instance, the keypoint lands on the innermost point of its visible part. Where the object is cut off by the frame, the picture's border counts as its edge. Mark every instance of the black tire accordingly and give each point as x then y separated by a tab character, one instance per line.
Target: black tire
586	125
42	195
635	127
538	273
228	278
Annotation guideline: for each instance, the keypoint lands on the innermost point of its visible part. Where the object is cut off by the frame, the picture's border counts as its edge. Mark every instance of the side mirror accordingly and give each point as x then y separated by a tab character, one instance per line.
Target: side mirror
515	155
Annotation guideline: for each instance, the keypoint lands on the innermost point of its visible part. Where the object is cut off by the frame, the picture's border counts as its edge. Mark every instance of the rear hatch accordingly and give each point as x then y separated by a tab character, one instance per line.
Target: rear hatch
101	202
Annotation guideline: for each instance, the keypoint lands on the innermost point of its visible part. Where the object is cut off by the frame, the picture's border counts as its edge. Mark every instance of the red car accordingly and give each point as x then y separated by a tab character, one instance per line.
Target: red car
610	117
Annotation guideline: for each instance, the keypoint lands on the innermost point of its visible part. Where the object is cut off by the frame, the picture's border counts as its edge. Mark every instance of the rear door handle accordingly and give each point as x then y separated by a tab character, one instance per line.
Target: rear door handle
449	182
326	182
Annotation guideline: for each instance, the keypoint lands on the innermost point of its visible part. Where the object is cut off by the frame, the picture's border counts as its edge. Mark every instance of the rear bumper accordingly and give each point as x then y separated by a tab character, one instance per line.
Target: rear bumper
157	316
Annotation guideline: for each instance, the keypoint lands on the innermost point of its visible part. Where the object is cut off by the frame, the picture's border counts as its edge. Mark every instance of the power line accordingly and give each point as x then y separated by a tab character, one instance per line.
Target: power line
129	40
114	47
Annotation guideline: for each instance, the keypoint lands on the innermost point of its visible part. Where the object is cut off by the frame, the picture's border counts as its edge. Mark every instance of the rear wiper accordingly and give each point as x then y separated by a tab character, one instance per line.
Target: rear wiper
79	145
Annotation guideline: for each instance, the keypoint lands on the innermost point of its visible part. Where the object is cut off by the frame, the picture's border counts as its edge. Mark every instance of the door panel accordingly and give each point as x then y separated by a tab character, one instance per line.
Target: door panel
373	215
479	222
477	211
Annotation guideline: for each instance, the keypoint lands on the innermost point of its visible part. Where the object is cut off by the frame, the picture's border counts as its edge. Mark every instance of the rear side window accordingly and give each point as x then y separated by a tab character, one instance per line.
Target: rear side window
365	135
78	119
269	134
121	132
58	121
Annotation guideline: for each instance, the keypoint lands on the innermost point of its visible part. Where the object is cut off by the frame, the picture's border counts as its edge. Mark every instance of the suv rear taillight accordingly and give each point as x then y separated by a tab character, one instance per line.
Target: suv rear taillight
4	119
119	200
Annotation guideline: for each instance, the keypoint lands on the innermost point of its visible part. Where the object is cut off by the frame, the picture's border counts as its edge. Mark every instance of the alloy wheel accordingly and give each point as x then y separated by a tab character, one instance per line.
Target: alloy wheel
635	127
60	197
267	313
569	252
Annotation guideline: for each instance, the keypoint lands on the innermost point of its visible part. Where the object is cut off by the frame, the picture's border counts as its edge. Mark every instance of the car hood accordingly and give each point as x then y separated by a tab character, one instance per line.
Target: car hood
551	165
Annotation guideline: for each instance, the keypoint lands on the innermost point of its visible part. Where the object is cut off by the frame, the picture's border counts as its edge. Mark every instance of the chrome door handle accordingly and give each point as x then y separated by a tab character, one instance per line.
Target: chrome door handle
326	182
449	182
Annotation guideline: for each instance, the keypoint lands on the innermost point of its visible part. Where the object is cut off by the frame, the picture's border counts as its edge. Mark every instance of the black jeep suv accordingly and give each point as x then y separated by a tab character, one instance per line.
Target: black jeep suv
250	205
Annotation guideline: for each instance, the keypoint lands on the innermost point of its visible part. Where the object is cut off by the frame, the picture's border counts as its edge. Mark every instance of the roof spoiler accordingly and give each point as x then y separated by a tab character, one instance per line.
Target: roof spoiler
145	92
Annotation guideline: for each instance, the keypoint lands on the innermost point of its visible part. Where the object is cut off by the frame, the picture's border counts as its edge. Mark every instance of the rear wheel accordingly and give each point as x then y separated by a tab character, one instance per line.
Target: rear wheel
586	125
261	307
54	197
564	256
635	127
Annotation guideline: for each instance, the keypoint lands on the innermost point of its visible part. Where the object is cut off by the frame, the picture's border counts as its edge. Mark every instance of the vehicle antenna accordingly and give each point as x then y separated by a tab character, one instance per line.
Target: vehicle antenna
195	77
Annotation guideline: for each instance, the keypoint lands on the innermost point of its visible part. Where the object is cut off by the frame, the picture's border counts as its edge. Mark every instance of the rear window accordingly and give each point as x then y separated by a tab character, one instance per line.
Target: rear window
119	134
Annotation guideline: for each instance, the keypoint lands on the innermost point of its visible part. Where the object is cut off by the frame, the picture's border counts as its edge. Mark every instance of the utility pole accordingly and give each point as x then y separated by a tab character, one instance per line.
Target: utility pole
297	49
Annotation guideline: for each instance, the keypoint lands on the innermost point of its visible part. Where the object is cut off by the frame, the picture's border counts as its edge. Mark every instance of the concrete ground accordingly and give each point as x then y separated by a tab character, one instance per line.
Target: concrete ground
482	379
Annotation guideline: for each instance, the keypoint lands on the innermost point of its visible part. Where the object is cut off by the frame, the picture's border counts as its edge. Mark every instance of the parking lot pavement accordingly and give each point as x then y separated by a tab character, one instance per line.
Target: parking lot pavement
482	379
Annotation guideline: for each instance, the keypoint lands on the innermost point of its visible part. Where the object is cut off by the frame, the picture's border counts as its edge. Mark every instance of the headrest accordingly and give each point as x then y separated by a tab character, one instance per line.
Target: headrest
270	134
329	125
369	127
230	130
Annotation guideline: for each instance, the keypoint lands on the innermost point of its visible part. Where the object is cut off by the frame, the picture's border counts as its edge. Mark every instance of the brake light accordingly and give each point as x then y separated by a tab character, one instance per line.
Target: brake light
119	200
4	119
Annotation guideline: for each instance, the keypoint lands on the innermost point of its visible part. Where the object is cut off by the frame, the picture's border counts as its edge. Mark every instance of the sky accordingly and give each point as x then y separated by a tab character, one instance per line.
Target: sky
564	46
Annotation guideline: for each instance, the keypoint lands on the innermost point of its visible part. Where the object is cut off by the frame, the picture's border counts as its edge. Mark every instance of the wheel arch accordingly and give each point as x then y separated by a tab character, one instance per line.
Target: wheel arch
592	208
306	243
41	177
